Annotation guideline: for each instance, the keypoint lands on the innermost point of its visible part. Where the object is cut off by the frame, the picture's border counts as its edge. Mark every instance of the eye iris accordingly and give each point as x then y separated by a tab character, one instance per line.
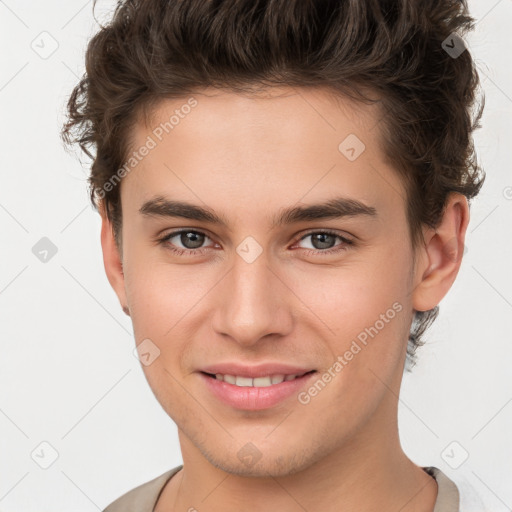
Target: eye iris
192	237
321	238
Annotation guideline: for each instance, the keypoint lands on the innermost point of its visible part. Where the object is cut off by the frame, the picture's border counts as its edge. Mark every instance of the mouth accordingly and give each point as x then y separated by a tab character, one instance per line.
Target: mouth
257	392
256	382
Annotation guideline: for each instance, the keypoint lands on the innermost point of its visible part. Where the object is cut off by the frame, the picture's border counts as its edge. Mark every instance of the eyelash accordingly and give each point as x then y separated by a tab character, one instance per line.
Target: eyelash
309	252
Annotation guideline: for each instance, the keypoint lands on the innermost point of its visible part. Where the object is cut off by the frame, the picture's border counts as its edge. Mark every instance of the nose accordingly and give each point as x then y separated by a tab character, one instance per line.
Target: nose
253	302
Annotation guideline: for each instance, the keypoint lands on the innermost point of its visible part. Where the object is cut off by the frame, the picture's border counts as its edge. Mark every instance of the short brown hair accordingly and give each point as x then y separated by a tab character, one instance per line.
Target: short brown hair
159	49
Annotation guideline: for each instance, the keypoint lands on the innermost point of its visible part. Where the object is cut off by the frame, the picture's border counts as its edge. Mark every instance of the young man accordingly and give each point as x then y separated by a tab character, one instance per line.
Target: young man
284	193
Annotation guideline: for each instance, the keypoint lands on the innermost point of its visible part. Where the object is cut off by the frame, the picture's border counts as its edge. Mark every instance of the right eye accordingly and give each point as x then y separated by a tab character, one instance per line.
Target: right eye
191	241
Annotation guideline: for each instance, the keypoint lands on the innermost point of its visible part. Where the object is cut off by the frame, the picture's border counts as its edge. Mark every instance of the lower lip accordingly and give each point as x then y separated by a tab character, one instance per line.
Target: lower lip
255	398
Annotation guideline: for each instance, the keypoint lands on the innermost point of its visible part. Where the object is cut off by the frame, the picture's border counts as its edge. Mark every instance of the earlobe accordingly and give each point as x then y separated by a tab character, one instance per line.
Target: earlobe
443	253
111	258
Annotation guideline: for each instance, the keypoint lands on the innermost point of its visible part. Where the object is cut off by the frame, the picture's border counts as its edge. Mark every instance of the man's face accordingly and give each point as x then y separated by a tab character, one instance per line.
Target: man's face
256	292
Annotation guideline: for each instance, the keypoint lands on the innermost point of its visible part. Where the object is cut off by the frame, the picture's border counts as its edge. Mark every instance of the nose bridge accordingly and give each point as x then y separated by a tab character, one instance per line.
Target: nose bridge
253	302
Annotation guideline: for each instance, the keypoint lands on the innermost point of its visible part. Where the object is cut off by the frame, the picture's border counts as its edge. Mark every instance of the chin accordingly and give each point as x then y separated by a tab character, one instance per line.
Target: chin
251	462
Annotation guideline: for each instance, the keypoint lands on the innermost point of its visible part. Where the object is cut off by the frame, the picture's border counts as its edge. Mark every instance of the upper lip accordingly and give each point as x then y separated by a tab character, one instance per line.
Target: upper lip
260	370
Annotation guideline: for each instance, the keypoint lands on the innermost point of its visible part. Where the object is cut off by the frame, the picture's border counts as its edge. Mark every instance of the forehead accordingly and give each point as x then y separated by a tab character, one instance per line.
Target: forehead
280	146
284	114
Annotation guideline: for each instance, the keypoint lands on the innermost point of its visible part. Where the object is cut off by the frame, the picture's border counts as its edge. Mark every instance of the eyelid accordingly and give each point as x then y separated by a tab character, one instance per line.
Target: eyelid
179	231
327	231
164	233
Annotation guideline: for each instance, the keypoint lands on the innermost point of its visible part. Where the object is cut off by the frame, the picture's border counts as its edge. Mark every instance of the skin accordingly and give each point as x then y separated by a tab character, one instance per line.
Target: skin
246	157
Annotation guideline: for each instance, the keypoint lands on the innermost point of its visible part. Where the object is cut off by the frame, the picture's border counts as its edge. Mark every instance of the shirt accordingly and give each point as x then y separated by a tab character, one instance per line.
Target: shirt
144	497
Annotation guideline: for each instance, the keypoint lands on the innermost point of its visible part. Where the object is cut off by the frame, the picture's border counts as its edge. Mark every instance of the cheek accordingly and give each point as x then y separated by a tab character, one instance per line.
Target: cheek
351	297
159	293
158	308
367	313
363	309
165	301
150	307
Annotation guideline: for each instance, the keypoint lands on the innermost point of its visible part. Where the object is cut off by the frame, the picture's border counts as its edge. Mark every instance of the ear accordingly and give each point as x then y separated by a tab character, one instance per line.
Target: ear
439	263
112	260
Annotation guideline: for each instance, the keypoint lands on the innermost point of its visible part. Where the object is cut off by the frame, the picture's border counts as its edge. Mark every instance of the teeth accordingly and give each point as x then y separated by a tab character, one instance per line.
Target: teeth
277	379
243	381
258	382
262	382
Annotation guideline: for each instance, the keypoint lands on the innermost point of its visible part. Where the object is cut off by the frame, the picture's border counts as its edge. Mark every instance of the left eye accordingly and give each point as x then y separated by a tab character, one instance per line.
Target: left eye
322	240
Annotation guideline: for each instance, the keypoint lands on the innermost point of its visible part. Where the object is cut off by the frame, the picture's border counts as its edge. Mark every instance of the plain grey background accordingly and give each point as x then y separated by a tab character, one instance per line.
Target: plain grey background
68	375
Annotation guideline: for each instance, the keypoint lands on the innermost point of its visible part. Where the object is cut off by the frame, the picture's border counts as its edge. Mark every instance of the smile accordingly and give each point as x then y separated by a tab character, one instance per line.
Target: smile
255	393
257	382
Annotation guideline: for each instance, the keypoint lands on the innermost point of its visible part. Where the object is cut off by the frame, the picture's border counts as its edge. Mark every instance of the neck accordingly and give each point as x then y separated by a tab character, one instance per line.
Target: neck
370	472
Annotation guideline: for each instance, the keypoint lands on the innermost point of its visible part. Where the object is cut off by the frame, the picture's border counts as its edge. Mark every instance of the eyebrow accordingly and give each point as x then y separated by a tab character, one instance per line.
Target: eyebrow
332	209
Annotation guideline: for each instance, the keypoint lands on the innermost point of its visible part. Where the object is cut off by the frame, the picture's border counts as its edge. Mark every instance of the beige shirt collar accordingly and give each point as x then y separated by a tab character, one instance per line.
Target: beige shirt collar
144	497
